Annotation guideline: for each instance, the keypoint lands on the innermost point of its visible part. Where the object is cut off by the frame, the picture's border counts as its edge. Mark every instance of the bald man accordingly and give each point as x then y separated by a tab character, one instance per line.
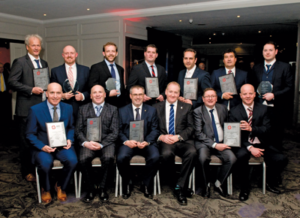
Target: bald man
51	110
75	73
255	124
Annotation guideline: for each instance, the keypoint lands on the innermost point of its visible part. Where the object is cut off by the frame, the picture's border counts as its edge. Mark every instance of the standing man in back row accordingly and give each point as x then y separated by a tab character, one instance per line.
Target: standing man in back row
148	68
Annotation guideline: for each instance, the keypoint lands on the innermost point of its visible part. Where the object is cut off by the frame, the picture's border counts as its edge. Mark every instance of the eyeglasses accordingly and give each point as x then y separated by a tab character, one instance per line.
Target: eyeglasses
210	96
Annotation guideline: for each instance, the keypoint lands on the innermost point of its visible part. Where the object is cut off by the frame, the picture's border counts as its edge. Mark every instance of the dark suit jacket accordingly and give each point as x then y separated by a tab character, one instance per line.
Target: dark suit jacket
260	122
21	80
59	75
204	132
240	79
149	116
203	83
99	74
38	115
109	119
140	72
183	119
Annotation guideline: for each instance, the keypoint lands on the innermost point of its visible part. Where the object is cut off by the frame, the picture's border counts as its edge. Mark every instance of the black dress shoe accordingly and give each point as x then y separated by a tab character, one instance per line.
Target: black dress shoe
271	188
89	197
148	192
180	196
126	192
206	192
221	191
189	193
244	195
103	195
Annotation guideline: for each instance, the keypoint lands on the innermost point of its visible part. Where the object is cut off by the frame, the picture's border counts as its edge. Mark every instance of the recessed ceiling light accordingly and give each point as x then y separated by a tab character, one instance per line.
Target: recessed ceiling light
87	9
238	16
270	35
209	42
277	46
223	34
259	31
180	20
209	38
215	34
45	15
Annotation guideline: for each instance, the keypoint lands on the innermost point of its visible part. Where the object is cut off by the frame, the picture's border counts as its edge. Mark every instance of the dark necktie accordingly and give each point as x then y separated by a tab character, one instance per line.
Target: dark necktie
250	120
268	67
55	115
153	73
171	121
112	71
37	63
214	125
138	116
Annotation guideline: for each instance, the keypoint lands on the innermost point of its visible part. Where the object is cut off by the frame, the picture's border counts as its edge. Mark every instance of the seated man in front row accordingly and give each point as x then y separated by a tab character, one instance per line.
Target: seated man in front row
209	121
176	129
129	148
52	110
255	125
105	149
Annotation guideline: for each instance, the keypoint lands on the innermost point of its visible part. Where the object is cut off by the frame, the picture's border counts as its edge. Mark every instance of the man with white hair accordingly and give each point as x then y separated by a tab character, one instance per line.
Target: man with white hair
21	80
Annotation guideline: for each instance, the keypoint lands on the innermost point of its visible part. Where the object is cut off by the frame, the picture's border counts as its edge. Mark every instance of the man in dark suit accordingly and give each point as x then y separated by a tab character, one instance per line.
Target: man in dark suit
280	76
148	68
75	73
240	78
255	124
176	138
129	148
21	80
105	148
51	110
106	69
192	71
208	123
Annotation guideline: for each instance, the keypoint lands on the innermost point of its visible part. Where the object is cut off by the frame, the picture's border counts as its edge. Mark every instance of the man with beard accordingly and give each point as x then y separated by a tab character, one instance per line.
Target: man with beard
106	69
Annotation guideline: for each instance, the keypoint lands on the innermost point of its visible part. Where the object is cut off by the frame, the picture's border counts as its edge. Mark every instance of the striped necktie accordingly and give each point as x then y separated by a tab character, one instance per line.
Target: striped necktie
171	121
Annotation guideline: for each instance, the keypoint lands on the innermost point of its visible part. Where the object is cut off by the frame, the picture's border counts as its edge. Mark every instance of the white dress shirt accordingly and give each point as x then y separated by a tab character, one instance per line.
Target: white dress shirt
233	71
168	107
150	68
218	124
134	111
271	63
189	73
33	62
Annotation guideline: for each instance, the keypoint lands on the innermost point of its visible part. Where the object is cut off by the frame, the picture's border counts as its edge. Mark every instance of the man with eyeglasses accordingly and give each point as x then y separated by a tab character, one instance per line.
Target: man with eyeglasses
209	120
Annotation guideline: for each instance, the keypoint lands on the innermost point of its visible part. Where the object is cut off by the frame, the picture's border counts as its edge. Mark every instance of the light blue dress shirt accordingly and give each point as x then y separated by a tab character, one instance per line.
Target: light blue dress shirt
118	83
51	110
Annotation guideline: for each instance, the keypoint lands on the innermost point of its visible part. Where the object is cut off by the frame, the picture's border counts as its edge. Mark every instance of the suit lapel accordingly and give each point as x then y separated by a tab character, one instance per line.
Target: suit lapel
162	110
106	69
276	71
195	74
28	61
147	71
220	115
46	112
206	117
180	107
91	112
130	112
243	113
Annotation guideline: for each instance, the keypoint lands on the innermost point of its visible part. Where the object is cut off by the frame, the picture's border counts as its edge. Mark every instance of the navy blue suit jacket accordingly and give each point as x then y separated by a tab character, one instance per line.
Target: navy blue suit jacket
203	83
240	79
36	131
149	116
59	75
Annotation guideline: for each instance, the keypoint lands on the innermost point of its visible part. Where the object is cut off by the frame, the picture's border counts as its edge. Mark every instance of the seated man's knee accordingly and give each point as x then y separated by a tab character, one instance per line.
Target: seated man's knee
108	159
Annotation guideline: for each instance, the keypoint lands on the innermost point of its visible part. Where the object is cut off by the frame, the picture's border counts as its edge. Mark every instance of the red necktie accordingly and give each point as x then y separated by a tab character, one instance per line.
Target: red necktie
229	71
153	73
250	120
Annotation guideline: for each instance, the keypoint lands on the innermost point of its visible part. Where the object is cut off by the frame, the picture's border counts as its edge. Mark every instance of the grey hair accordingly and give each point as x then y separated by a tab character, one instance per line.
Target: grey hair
28	37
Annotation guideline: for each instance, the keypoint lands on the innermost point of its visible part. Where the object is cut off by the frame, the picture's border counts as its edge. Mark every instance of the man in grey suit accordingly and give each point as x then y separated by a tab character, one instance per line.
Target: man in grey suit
21	80
208	123
105	149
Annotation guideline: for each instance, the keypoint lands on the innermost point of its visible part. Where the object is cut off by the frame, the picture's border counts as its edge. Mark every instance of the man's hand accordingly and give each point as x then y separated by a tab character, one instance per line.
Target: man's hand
114	92
160	98
48	149
131	143
79	96
256	152
268	96
221	147
188	101
181	99
146	98
67	95
69	143
94	146
141	145
37	90
227	95
167	139
245	126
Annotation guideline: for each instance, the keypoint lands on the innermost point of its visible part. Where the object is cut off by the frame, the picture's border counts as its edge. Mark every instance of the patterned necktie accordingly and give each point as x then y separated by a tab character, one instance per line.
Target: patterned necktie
112	71
70	76
171	121
250	120
98	110
37	63
229	71
55	115
268	67
138	116
153	73
214	125
2	82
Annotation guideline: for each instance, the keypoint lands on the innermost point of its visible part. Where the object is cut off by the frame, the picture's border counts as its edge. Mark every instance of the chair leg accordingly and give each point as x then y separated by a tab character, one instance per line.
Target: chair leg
38	185
194	186
79	185
264	177
121	185
229	184
190	180
154	188
117	182
158	182
76	184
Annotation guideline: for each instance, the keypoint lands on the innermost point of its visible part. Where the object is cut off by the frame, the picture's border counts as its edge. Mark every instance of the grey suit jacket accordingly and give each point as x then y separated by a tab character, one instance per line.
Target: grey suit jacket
110	123
21	80
204	132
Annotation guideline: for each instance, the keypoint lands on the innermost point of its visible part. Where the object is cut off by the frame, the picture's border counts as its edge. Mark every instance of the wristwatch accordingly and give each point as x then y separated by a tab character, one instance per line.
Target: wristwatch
180	138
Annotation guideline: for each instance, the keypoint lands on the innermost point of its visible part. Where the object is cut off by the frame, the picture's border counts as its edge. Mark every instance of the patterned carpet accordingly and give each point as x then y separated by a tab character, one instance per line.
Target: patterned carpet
18	198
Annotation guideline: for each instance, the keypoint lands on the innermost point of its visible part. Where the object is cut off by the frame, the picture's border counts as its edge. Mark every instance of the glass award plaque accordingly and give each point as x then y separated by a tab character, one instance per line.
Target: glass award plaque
68	88
152	89
136	130
94	129
232	134
56	134
263	88
190	88
41	78
227	84
111	84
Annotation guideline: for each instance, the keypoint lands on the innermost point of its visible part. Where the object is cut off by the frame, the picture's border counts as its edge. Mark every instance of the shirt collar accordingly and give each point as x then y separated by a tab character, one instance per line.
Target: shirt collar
33	58
271	63
68	66
95	105
246	107
192	70
108	63
168	103
50	106
149	65
233	70
134	107
208	109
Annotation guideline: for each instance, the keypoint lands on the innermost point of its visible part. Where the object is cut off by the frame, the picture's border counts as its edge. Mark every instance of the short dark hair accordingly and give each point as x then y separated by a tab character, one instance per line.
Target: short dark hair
150	46
110	43
190	50
271	43
229	51
137	87
208	89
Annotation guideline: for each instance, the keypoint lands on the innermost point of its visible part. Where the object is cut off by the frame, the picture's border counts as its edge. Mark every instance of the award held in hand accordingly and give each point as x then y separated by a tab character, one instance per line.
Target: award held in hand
227	84
232	134
41	78
152	89
111	84
190	88
263	88
94	129
67	87
56	134
136	130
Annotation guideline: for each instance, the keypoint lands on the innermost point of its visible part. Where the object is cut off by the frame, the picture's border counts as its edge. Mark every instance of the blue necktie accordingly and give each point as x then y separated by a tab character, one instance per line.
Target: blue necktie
268	66
37	63
171	121
98	110
112	71
214	125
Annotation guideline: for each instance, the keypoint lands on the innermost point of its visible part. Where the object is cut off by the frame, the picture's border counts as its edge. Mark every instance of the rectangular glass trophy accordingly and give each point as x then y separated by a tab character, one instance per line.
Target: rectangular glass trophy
56	134
136	130
190	88
67	88
111	84
152	89
232	134
263	88
94	129
227	84
41	78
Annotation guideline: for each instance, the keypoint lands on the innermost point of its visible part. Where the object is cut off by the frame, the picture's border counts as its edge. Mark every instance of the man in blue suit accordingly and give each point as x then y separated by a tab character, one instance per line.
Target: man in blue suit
129	148
75	73
240	78
51	110
192	71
